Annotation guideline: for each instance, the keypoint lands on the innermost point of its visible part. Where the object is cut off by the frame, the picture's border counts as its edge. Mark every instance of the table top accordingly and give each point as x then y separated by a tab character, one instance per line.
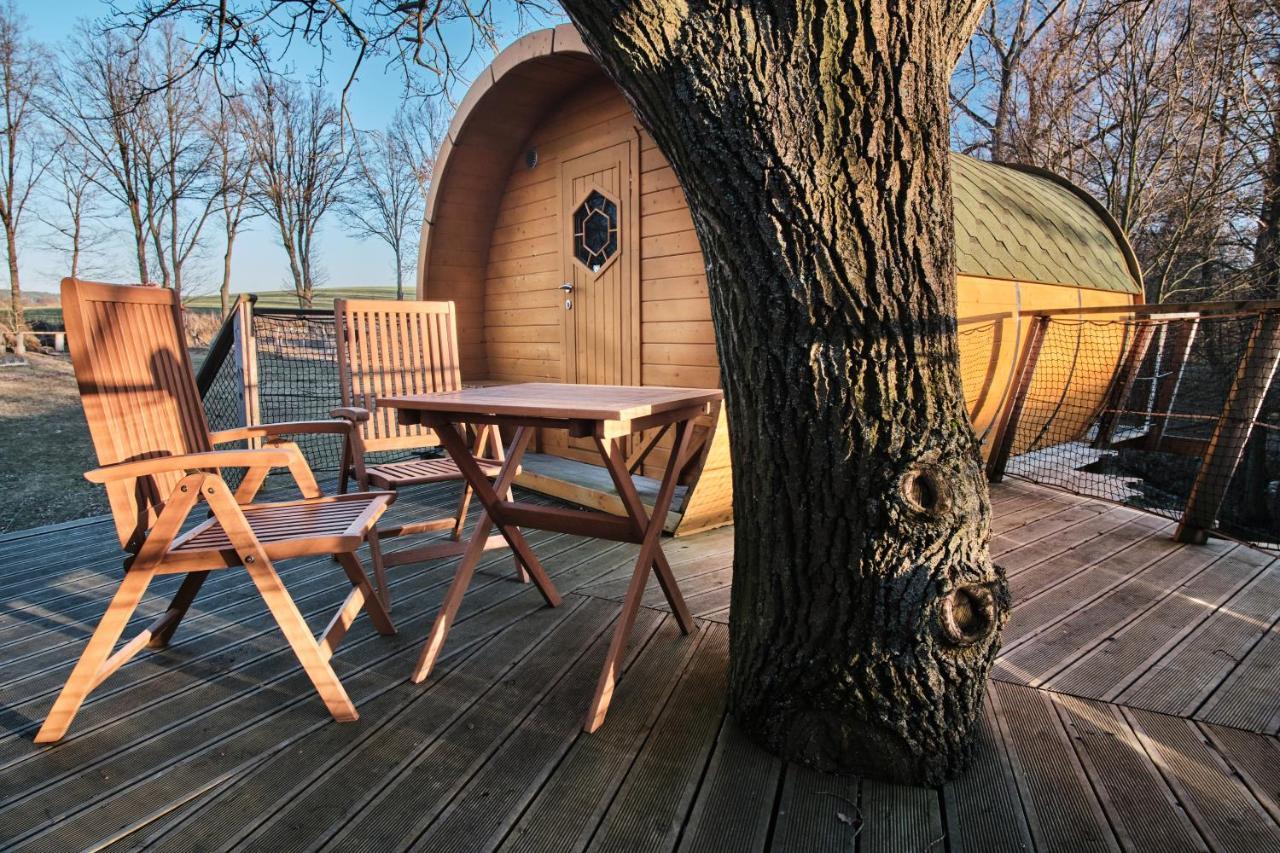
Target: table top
560	401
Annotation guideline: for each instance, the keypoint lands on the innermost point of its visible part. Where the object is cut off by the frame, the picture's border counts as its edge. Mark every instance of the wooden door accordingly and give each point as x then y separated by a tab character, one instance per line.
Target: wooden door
600	259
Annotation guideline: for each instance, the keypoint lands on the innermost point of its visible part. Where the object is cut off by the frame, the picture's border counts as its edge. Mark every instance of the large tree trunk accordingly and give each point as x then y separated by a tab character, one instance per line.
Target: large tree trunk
811	140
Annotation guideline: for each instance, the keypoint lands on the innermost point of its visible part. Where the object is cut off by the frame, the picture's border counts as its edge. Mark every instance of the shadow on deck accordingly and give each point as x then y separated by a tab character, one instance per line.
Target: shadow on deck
1135	707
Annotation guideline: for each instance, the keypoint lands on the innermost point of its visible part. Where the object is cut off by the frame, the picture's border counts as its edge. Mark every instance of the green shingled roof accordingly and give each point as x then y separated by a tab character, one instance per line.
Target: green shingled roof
1028	225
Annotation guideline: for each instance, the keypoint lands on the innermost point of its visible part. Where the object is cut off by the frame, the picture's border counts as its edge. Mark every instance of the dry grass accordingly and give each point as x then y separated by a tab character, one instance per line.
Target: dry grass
44	447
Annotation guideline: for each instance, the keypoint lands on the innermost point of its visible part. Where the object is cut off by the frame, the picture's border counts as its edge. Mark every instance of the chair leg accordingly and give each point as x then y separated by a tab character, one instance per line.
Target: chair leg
295	630
379	568
178	608
93	665
377	613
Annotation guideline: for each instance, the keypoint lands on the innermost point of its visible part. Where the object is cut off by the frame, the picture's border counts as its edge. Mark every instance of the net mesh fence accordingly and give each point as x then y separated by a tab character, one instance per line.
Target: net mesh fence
979	345
1124	409
297	370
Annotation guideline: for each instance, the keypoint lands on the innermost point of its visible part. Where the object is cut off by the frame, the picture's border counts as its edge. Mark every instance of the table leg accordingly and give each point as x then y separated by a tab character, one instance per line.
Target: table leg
495	439
487	495
616	464
650	553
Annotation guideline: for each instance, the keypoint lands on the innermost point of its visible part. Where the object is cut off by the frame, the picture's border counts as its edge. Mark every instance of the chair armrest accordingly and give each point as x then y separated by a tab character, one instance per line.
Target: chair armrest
267	457
272	430
355	414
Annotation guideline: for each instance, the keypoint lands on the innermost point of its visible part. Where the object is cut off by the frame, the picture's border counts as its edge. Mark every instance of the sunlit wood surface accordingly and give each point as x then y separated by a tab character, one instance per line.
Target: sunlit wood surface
1135	707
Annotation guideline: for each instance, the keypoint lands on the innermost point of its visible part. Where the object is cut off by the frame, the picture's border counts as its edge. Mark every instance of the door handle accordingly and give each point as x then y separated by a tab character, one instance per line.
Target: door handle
567	287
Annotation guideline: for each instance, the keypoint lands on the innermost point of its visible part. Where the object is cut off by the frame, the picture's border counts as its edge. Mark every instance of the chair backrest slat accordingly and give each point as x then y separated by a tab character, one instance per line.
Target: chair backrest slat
138	390
387	347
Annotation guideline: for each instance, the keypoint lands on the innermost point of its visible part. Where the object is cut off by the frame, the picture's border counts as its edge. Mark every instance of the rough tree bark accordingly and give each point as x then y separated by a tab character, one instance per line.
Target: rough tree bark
811	140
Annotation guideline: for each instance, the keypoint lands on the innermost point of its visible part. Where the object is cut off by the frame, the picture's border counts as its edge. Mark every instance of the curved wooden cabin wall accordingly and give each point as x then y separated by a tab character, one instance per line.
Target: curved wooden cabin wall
499	257
523	306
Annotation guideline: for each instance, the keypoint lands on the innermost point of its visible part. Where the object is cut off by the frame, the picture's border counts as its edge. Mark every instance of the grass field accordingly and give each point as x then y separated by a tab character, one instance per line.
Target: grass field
323	297
268	299
44	447
44	442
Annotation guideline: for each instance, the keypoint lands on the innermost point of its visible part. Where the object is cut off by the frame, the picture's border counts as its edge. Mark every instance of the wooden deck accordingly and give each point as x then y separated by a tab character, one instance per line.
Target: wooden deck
1135	707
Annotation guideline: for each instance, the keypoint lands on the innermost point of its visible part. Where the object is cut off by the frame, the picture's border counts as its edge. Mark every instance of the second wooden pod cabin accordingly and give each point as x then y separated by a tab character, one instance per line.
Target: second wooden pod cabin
562	234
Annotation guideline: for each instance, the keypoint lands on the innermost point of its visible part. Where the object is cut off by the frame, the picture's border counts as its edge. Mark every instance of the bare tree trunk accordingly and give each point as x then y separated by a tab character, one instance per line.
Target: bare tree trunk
15	286
399	273
811	141
224	292
140	243
1266	253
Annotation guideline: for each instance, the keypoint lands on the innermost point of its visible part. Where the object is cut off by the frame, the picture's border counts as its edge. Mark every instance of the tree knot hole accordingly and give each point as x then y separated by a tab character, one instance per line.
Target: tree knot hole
968	614
925	491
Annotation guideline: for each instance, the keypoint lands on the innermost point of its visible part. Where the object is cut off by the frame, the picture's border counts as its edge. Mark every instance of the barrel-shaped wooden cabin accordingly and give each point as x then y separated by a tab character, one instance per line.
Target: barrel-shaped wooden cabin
562	234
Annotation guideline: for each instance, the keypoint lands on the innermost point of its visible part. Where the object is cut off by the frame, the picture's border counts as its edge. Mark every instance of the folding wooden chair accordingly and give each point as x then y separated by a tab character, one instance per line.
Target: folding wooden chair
158	462
386	348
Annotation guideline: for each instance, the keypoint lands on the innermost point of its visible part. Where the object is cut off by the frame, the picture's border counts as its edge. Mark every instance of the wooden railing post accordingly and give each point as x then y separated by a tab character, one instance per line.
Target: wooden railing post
1226	446
1122	385
1012	413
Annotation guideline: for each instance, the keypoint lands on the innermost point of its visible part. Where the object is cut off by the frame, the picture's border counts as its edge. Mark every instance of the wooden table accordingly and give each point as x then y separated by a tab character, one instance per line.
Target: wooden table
606	414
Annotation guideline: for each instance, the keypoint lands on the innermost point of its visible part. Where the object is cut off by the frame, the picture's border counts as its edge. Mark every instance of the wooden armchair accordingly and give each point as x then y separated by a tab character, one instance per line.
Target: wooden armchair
158	463
390	347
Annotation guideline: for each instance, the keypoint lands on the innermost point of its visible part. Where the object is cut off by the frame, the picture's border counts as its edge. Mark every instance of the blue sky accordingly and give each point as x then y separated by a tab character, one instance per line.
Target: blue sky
259	262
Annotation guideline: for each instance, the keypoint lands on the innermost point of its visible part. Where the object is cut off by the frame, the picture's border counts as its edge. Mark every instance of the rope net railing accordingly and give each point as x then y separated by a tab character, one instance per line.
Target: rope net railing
1178	415
979	345
281	365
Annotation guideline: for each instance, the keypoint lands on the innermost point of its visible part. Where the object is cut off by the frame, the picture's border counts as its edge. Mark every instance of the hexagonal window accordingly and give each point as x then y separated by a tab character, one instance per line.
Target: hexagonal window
595	231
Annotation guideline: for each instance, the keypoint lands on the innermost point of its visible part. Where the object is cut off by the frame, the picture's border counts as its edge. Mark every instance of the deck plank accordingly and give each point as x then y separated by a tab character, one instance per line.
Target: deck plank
234	736
1180	681
1085	576
1095	620
1046	525
984	808
486	809
568	807
1143	811
299	798
735	801
224	718
1106	670
817	812
405	803
1254	758
219	742
1062	809
900	818
1248	698
245	652
1078	544
654	799
1217	802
